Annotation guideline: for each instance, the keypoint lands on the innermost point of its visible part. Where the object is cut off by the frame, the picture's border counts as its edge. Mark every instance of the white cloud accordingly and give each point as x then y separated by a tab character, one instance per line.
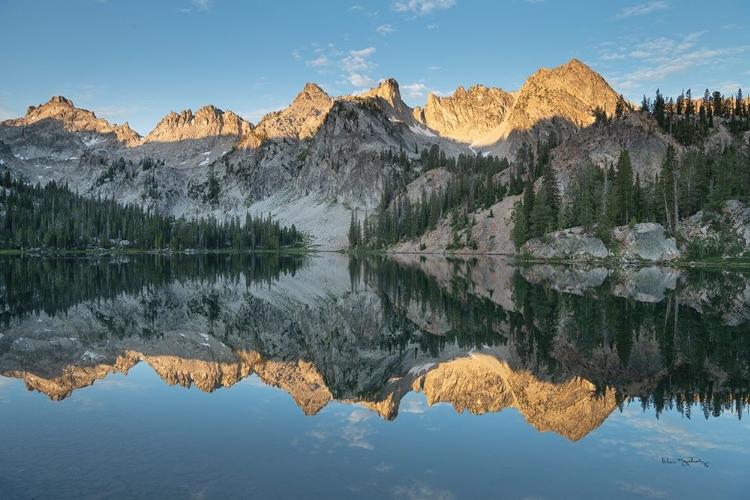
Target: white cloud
320	61
356	431
357	61
295	54
662	57
361	81
359	415
385	29
362	53
356	65
422	7
414	90
419	490
202	4
641	490
433	26
434	68
642	9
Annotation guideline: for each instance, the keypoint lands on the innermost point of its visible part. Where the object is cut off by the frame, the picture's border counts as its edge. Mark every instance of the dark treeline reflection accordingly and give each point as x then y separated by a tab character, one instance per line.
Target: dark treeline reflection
690	349
30	285
428	312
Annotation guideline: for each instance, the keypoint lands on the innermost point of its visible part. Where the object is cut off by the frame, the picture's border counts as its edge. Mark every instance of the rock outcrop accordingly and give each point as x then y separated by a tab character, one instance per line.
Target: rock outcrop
466	115
206	122
73	119
387	96
645	241
301	120
726	233
571	243
57	130
640	242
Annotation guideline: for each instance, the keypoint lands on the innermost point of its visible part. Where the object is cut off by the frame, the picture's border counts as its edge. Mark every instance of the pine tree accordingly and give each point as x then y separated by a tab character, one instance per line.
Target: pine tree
624	187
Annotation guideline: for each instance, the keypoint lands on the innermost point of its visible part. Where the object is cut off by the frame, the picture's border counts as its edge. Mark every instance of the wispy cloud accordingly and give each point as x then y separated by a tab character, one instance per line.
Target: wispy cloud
657	59
296	55
360	81
355	432
641	490
318	62
414	90
385	29
202	4
642	9
418	490
357	65
357	60
612	57
422	7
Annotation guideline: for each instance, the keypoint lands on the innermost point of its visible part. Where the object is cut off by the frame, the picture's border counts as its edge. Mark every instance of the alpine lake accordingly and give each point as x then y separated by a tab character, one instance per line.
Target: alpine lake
406	377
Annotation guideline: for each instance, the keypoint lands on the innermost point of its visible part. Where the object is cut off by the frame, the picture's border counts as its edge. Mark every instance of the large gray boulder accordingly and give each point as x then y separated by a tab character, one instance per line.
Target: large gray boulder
645	241
571	243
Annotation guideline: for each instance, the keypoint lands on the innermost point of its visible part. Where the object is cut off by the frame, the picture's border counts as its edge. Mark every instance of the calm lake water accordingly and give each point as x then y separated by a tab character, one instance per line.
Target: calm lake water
328	377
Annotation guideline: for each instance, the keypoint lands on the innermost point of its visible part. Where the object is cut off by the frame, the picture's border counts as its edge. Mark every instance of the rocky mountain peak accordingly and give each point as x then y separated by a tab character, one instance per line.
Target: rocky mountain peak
61	100
312	92
388	96
560	100
300	120
388	90
467	115
208	121
62	110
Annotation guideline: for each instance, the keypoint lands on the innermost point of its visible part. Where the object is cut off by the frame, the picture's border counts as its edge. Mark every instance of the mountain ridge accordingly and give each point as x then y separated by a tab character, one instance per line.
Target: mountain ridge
331	155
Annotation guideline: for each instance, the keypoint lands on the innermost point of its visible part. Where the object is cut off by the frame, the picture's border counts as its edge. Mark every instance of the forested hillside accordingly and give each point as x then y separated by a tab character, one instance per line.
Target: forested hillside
54	218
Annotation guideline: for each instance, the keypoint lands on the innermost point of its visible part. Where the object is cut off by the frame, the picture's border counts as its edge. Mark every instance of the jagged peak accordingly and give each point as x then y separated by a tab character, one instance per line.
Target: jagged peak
61	100
55	103
387	90
312	90
575	63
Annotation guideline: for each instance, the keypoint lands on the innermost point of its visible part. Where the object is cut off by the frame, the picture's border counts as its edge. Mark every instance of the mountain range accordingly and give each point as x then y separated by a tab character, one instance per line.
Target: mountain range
315	162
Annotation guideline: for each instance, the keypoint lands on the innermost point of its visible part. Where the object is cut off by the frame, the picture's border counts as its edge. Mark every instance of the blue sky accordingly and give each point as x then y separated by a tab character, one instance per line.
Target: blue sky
134	60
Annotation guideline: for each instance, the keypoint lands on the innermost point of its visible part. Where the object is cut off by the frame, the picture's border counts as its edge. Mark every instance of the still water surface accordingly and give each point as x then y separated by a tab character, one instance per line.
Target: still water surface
330	377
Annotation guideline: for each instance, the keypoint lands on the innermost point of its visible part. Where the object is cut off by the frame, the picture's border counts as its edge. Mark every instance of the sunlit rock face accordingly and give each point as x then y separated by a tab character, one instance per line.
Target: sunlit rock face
206	122
57	130
560	100
301	120
467	115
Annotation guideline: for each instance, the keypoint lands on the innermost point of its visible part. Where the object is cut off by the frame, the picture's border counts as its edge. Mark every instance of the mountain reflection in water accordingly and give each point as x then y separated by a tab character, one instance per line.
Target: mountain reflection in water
565	346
